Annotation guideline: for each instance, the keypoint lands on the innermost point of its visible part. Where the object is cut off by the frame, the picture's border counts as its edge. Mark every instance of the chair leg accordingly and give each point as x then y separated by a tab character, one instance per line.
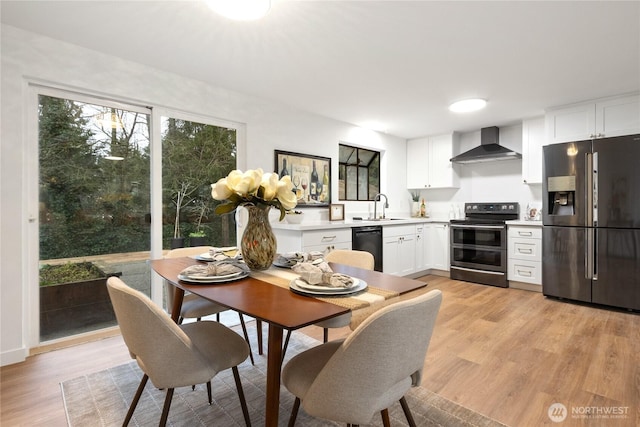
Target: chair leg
218	317
209	391
180	320
407	412
325	334
286	344
294	412
246	337
165	409
385	418
135	400
243	402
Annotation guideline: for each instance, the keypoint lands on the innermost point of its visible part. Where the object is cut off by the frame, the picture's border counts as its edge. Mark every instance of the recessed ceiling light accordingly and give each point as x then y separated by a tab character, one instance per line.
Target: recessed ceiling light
240	10
467	105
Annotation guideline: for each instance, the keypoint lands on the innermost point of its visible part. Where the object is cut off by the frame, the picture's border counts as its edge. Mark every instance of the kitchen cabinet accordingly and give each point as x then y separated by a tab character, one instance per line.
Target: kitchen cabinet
324	240
421	248
428	162
399	247
437	246
607	117
533	136
524	256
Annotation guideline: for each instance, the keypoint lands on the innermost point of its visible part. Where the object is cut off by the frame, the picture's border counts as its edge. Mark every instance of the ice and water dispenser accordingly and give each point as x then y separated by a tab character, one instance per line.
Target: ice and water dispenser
561	191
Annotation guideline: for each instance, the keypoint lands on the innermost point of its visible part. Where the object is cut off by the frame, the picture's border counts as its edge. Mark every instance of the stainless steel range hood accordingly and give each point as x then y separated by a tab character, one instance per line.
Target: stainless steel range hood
489	150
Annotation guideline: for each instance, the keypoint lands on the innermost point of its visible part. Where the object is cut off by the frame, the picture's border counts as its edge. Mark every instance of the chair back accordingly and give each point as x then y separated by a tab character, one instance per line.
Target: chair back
163	351
178	253
377	364
353	258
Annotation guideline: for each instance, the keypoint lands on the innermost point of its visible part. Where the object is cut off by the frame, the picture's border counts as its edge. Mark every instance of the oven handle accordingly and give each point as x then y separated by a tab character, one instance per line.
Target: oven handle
498	273
486	227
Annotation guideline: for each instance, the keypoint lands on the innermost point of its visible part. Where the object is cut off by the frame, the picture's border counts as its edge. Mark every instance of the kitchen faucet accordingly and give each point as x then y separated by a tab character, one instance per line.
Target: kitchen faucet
375	204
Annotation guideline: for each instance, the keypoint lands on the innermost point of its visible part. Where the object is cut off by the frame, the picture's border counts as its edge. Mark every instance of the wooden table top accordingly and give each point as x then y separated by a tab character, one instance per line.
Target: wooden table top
274	304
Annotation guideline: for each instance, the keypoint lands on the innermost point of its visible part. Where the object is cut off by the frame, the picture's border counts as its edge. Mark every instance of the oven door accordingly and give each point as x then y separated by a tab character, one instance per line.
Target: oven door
489	236
479	258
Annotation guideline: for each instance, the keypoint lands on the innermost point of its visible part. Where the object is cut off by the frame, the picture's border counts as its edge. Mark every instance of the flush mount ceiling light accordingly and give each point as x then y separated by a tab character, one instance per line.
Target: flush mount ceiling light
240	10
467	105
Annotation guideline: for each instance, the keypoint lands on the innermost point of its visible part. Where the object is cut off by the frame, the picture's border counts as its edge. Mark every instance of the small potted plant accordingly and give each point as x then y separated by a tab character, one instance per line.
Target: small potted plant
294	217
415	205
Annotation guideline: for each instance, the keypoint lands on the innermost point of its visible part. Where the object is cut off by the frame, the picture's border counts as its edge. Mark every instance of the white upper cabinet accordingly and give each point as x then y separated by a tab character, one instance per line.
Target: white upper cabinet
428	162
533	135
596	119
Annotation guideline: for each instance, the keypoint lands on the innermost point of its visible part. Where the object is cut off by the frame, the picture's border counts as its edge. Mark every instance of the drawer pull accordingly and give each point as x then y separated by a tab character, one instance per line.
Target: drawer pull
328	238
524	273
525	233
525	251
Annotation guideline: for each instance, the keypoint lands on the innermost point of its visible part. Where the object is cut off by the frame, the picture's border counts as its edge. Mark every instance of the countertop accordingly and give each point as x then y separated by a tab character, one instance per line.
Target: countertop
525	223
350	223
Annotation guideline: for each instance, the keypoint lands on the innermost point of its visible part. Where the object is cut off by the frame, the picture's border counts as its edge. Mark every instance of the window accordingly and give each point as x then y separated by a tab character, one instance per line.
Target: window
194	156
358	173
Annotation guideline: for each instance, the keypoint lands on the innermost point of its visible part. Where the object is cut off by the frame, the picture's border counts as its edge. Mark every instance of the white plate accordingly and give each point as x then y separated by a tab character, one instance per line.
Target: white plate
214	279
299	285
320	288
204	257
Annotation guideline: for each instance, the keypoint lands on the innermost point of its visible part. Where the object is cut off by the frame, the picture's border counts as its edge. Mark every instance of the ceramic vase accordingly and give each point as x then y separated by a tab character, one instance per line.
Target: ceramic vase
258	242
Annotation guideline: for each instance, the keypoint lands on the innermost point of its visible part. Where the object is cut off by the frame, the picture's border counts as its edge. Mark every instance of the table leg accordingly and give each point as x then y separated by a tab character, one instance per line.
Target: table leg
274	364
259	333
178	296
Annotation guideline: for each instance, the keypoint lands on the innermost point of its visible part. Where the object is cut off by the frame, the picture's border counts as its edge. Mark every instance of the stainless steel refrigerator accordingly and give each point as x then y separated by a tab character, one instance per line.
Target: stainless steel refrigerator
591	221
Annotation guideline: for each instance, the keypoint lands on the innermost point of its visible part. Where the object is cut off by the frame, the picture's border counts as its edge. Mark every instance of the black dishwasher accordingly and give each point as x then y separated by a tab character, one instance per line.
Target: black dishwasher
368	239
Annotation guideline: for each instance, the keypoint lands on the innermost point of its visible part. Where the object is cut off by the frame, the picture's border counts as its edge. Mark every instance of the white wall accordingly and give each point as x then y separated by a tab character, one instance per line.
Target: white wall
28	57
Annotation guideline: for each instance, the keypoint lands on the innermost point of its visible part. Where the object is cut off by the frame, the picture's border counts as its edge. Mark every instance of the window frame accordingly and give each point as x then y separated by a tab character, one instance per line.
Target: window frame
343	172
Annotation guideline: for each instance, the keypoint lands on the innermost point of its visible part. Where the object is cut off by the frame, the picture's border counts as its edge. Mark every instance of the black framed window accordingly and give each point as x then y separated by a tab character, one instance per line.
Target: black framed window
358	173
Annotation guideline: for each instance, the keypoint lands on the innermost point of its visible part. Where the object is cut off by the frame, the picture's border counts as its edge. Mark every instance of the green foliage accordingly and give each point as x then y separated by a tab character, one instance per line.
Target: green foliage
68	273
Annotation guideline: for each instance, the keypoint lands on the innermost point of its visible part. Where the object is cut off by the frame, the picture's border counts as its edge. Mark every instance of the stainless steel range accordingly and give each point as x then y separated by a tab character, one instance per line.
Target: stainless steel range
479	243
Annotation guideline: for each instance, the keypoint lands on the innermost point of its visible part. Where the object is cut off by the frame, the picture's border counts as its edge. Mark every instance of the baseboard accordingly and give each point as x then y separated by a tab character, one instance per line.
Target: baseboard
525	286
434	272
13	356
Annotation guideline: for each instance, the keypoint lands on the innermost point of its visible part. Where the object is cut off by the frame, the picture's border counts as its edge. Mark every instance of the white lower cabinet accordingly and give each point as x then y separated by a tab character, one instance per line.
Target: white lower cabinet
437	246
313	240
399	247
421	248
524	255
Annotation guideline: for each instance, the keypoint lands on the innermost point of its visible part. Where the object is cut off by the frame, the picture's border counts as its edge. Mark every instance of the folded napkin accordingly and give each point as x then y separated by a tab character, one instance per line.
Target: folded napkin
293	258
221	254
321	274
215	269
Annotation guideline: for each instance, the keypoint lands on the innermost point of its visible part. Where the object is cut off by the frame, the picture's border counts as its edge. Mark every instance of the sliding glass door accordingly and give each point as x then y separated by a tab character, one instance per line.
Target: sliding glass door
94	209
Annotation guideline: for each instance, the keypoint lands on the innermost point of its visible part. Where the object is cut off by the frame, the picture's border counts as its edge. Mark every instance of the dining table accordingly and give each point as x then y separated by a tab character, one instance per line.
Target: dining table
265	296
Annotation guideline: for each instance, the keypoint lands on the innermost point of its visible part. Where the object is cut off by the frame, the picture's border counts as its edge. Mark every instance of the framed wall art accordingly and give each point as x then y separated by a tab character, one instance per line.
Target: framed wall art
310	175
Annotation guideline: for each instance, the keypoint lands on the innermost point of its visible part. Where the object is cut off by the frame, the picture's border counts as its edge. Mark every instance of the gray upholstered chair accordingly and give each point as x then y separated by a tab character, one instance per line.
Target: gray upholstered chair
193	306
353	258
174	355
350	380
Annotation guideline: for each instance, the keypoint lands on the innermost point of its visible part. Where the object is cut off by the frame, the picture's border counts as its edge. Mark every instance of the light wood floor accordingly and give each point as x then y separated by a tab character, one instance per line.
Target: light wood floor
506	353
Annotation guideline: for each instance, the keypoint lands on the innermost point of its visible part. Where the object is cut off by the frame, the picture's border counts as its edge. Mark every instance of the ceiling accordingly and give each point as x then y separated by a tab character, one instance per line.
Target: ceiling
393	66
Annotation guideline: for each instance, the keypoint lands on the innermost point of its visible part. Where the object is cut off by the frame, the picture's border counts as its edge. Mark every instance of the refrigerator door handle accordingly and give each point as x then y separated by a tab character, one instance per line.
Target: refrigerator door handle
590	259
594	254
594	189
588	189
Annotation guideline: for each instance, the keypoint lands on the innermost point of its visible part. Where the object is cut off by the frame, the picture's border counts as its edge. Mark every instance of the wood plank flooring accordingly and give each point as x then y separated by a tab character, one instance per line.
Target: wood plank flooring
506	353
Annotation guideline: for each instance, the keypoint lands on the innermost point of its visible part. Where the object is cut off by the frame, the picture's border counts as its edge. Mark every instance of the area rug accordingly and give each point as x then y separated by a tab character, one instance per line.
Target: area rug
103	398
